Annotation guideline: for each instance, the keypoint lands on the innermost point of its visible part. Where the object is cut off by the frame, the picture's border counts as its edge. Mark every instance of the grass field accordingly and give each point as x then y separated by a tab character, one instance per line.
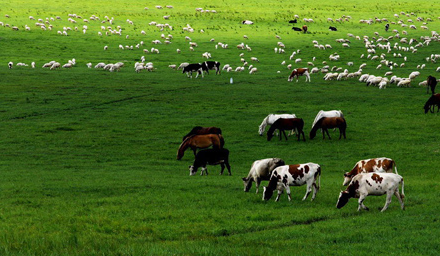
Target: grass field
88	157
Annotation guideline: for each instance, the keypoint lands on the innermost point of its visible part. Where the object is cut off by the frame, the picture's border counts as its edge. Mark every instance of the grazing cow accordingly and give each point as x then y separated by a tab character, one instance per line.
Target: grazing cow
375	184
380	164
433	101
387	26
432	83
261	170
299	72
293	175
212	65
293	21
304	28
296	29
196	67
211	157
332	28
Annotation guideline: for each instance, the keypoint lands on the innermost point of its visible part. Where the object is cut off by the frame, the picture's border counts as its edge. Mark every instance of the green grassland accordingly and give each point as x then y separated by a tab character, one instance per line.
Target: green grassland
88	157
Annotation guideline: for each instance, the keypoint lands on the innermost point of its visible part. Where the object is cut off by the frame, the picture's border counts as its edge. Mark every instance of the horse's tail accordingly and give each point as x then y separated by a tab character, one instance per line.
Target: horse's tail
222	140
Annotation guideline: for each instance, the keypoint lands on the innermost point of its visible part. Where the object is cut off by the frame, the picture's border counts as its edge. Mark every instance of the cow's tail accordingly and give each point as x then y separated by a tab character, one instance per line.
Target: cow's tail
319	177
402	195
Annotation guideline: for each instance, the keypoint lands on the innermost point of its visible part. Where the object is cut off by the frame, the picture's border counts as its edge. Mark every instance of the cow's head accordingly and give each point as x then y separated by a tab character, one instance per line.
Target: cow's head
344	196
247	182
347	179
267	193
192	170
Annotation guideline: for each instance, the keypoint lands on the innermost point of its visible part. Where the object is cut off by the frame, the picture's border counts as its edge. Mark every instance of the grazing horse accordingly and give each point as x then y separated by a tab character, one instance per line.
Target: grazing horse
433	101
283	124
299	72
432	82
326	123
304	29
270	119
200	141
330	113
199	130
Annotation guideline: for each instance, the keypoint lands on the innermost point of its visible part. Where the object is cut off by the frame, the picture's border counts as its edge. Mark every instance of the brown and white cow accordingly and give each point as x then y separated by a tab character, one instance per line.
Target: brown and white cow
299	72
376	184
381	164
261	170
293	175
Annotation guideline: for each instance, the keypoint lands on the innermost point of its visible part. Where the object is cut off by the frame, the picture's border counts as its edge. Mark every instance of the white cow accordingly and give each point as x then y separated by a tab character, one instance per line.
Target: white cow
330	113
261	170
293	175
375	184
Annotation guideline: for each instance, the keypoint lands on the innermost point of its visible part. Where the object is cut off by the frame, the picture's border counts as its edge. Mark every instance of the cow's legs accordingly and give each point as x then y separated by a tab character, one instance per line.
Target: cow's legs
309	189
288	192
229	168
223	168
315	190
397	194
361	202
280	191
204	169
388	200
257	184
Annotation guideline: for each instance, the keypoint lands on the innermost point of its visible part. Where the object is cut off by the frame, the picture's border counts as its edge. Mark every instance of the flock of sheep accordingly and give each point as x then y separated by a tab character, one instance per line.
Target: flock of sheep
388	53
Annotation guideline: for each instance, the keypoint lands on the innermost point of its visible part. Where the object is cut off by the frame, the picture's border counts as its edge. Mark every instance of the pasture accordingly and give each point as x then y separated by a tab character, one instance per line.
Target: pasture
88	156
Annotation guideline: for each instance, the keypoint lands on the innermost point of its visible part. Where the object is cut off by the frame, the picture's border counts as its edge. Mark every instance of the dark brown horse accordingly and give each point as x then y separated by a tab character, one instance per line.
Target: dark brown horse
283	124
199	130
433	101
200	141
432	82
326	123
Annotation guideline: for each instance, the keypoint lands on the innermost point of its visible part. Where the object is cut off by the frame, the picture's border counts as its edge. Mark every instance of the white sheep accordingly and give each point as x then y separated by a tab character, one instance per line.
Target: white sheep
67	65
100	65
404	82
33	64
55	66
10	64
253	71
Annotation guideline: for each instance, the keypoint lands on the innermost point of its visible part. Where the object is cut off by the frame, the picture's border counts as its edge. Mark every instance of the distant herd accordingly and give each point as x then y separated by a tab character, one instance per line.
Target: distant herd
368	177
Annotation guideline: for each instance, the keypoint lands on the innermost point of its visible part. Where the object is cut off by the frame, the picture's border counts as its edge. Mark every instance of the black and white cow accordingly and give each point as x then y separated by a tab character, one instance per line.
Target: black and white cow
212	65
212	157
375	184
195	67
261	170
333	28
294	175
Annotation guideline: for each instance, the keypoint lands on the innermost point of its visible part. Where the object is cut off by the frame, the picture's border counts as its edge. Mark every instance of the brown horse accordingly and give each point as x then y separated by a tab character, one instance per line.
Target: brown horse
199	130
200	141
326	123
283	124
